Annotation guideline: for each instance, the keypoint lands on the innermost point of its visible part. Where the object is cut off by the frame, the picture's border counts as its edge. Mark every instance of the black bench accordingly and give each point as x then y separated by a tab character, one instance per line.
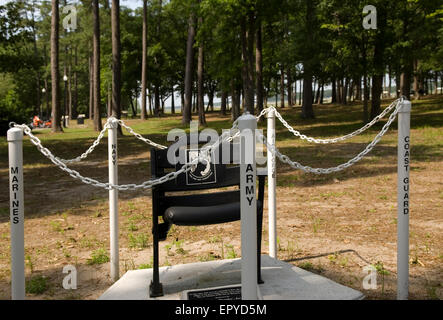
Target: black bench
197	208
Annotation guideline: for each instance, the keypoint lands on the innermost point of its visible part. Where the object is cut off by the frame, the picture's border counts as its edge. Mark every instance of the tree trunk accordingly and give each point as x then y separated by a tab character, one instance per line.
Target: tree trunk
194	104
69	92
417	81
223	103
334	91
295	93
182	97
389	83
96	64
259	66
48	115
150	102
379	65
300	93
345	91
133	108
365	87
186	117
157	99
38	103
55	77
75	98
247	41
235	113
405	82
377	83
91	89
172	101
317	95
365	99
116	61
341	87
109	103
313	90
200	90
144	58
307	110
282	87
289	86
211	98
322	94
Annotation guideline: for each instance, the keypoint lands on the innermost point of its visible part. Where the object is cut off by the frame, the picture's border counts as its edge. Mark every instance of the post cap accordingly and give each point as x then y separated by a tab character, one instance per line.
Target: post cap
270	113
15	134
112	123
246	116
406	106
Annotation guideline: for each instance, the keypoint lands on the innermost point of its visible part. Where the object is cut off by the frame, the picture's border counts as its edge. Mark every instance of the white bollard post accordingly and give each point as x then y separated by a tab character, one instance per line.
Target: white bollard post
17	217
272	182
403	200
113	199
247	124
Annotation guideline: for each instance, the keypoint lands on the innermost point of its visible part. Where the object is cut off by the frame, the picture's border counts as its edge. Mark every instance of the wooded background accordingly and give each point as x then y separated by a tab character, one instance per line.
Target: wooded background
242	51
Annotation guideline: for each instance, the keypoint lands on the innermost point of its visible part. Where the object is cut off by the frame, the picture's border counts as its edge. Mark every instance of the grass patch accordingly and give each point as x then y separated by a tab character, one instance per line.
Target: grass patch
139	241
306	266
37	285
4	212
98	256
230	254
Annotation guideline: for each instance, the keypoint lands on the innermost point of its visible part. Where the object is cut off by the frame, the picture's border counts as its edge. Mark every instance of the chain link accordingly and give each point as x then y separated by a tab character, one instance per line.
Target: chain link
91	148
98	140
393	105
226	136
203	156
263	112
139	136
361	155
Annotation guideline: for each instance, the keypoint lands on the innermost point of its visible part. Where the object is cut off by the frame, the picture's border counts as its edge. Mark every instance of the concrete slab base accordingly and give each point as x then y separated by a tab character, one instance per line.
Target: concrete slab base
283	281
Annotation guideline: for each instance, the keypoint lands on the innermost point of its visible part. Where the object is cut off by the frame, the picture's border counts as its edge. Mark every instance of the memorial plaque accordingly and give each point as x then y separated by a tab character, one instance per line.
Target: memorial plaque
220	293
203	172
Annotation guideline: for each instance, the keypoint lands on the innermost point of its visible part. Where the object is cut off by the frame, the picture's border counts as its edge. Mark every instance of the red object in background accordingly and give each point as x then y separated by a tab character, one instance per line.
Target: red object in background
36	122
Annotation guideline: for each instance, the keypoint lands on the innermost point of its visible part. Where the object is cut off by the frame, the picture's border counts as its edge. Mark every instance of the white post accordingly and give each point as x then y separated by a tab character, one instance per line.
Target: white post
17	217
113	199
403	200
272	177
247	124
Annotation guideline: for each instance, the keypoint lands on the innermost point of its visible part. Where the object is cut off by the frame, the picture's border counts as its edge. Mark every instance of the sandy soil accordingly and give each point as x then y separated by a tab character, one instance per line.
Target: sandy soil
332	226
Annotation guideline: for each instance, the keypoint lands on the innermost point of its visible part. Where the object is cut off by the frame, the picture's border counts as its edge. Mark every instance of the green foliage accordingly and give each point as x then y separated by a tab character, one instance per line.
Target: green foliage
322	37
37	285
98	256
140	240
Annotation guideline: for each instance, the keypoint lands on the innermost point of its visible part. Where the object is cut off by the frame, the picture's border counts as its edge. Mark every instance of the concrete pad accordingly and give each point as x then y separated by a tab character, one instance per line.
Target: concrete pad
283	281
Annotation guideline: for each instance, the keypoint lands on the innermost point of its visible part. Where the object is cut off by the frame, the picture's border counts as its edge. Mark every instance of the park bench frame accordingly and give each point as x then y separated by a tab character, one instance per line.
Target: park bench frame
228	175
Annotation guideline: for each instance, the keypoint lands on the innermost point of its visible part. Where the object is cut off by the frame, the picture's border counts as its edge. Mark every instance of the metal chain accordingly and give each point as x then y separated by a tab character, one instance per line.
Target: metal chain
203	156
100	137
296	133
263	112
361	155
139	136
91	148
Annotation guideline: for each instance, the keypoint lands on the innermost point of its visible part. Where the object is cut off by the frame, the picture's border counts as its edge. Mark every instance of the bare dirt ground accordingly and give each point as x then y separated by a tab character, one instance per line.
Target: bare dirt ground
333	226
